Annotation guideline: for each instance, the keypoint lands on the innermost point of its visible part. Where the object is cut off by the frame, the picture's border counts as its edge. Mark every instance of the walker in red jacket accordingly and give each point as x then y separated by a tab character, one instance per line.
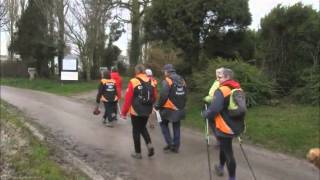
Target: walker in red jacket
116	76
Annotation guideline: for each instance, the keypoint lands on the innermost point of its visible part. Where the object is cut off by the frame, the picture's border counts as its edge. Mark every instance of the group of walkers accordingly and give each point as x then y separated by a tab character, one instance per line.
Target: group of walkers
141	99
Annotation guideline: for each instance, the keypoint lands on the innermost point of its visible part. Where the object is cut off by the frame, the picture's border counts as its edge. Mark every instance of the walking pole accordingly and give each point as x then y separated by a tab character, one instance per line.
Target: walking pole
246	158
207	136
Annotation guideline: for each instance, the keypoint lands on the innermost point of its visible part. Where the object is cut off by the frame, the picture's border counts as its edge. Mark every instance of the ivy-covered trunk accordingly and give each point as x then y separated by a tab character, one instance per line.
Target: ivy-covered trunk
135	41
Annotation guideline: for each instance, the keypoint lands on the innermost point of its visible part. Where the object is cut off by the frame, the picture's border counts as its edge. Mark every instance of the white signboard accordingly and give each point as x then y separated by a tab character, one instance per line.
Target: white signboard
65	76
69	64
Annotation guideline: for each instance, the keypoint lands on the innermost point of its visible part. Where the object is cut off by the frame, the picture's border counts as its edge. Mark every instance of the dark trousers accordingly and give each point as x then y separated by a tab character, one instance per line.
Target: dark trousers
110	110
139	128
166	132
226	155
116	109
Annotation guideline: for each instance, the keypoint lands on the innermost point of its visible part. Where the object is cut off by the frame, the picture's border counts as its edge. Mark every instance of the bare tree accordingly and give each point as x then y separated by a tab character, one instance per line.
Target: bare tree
137	9
3	13
12	15
56	12
22	6
62	7
86	29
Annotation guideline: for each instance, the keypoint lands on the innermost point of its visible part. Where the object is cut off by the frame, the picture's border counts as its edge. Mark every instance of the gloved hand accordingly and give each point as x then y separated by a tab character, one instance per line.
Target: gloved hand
96	111
207	99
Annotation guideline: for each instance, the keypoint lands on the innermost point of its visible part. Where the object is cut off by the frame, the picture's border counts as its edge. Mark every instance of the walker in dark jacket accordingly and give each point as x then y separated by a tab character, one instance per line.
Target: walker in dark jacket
172	107
225	126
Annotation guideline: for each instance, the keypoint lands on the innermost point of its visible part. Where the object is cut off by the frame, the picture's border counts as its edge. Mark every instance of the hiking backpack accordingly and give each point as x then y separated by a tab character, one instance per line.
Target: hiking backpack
110	91
178	93
237	104
145	92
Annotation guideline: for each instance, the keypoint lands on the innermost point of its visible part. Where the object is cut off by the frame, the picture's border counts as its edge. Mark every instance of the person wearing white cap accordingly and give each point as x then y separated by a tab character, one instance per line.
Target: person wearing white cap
155	82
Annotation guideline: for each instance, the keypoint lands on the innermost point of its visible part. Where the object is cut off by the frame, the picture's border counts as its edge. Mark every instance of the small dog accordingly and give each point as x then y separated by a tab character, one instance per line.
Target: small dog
314	156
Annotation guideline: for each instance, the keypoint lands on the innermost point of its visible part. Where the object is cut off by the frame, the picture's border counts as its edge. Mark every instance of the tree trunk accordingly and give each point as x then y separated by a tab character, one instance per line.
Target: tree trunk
13	13
51	37
61	30
135	40
88	70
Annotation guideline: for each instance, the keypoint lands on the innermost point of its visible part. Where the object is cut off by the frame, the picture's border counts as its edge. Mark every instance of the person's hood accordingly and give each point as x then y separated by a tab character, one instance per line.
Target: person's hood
231	83
115	74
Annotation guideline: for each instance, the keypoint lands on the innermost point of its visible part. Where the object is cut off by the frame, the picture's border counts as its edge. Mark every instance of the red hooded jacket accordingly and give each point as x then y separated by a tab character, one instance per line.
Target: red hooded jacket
118	79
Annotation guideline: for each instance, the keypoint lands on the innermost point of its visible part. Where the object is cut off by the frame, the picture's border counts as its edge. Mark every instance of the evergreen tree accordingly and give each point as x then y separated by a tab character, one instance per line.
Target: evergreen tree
188	24
32	40
290	43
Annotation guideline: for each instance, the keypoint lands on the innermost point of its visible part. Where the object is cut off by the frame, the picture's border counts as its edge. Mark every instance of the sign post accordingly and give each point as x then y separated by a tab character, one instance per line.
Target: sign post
69	69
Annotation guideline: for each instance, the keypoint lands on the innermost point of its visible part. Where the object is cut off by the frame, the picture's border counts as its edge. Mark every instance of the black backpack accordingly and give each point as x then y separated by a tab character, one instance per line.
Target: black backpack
110	91
145	92
178	93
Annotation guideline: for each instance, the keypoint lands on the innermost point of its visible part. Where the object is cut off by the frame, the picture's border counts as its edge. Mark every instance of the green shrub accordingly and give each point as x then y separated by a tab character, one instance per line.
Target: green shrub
308	88
259	89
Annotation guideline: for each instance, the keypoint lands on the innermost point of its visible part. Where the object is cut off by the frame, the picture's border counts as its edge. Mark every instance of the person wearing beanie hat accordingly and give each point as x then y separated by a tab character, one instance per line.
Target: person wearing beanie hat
171	105
168	68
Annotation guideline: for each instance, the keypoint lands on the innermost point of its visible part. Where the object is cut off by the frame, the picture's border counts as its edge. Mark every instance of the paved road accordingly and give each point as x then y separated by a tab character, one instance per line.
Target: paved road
72	124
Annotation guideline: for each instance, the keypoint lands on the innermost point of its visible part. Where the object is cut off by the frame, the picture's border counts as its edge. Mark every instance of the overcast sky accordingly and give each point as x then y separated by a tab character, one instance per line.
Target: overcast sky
258	9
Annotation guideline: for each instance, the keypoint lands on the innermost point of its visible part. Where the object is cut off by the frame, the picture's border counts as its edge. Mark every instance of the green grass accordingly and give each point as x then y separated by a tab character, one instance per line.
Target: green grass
34	159
287	128
52	86
56	87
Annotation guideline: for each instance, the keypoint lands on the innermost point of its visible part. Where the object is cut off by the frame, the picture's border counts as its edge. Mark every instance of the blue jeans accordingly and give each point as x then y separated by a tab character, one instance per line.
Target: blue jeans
166	132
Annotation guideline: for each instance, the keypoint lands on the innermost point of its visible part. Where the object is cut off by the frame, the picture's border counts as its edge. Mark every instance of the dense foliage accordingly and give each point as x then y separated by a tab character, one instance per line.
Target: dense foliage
189	24
308	88
290	43
259	89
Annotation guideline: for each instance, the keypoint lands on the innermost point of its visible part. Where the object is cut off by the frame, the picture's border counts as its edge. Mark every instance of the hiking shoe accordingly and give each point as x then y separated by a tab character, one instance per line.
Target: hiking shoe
218	170
150	151
174	149
136	155
167	149
109	124
151	126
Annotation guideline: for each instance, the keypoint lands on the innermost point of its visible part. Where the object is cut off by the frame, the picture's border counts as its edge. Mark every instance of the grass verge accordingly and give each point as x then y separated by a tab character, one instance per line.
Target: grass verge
25	157
56	87
52	86
287	128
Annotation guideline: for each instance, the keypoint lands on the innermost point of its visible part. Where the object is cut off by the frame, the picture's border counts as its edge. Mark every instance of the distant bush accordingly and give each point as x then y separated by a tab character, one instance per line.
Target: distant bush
159	56
259	89
308	88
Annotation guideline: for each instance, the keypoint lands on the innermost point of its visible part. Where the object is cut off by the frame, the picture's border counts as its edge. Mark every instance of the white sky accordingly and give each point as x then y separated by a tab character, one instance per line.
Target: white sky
258	9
